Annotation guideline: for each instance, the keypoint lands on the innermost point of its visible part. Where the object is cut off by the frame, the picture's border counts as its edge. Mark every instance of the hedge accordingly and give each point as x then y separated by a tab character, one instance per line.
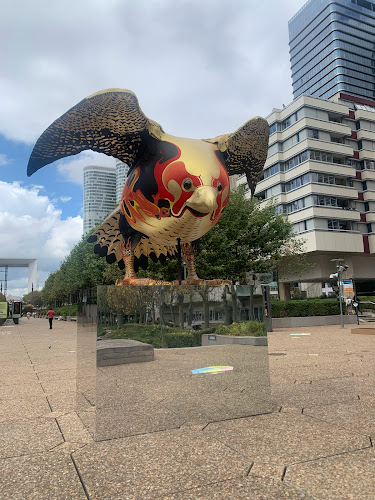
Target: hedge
307	307
366	307
248	328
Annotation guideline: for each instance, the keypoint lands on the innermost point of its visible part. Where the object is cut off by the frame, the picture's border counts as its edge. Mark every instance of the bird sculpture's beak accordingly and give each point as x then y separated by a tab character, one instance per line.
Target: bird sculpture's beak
203	199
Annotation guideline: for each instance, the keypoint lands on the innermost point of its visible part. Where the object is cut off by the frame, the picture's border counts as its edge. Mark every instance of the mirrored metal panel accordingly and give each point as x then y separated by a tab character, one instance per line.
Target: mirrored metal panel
160	357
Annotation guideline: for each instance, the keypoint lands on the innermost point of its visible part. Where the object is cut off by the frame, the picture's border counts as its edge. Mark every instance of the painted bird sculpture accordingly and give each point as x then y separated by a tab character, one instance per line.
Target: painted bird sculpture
177	188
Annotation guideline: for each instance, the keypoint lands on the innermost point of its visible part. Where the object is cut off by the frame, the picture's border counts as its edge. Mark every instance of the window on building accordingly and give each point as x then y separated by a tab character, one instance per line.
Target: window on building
313	133
321	156
364	186
294	206
366	206
357	125
359	145
369	164
285	123
273	128
369	228
326	179
338	225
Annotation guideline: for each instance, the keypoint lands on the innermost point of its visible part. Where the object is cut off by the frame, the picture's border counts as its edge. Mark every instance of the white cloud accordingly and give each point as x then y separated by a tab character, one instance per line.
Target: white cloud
4	160
31	226
198	68
64	199
72	169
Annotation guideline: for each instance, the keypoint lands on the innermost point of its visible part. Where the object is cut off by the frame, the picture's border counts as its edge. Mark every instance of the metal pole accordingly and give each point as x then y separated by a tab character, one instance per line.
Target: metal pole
355	301
179	260
160	314
341	313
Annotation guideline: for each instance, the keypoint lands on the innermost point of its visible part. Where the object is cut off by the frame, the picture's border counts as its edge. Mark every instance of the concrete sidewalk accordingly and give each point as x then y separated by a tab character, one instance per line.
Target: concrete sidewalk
317	445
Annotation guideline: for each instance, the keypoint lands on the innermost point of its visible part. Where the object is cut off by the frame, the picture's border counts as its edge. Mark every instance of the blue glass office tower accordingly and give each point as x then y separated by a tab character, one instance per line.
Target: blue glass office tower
332	48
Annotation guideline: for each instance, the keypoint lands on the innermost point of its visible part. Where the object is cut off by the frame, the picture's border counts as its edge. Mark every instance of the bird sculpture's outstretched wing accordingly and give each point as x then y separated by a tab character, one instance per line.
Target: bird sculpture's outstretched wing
245	150
109	122
108	238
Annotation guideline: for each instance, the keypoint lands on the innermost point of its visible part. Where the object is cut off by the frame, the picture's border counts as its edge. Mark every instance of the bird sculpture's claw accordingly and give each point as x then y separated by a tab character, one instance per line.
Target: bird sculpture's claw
140	282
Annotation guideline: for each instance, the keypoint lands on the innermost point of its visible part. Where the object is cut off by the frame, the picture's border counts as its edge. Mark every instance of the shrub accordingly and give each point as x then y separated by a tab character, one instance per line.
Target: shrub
64	310
247	328
151	334
307	307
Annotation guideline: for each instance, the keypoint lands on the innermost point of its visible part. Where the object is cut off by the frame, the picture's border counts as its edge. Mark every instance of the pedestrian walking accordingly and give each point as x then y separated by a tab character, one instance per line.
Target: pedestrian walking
50	315
28	314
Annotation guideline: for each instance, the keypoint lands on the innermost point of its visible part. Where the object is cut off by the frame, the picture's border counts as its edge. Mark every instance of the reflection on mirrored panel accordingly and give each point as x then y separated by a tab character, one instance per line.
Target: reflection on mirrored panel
172	356
86	358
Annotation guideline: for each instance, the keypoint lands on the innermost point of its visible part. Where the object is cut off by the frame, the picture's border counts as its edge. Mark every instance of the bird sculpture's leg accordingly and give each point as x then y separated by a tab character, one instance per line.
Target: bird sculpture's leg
130	277
128	258
192	279
188	256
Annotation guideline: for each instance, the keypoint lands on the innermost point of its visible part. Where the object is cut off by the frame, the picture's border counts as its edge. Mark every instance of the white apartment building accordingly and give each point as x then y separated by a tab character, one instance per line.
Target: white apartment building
99	195
320	170
122	170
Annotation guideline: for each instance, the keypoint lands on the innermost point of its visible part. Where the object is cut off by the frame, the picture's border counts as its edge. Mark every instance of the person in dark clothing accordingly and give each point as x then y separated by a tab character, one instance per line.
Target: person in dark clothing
50	316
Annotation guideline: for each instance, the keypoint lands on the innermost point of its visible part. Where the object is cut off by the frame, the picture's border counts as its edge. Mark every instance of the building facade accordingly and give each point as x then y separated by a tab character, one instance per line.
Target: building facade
99	195
332	48
320	171
122	170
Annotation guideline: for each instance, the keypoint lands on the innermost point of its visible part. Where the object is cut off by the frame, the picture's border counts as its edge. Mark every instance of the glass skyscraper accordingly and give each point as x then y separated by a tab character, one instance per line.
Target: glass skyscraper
99	195
332	48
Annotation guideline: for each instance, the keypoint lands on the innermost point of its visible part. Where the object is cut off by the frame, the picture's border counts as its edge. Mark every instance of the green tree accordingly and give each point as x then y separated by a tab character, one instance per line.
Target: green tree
247	239
34	298
2	298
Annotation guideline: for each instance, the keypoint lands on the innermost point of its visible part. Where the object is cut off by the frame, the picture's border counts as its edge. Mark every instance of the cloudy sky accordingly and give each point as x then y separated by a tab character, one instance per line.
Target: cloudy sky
198	67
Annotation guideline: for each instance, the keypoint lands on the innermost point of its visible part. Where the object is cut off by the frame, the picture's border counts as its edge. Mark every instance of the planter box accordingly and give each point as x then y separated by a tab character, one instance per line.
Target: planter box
213	339
313	321
110	352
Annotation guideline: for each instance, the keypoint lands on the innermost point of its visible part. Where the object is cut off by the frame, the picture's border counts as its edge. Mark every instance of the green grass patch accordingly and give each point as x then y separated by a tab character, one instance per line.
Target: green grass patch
151	334
245	329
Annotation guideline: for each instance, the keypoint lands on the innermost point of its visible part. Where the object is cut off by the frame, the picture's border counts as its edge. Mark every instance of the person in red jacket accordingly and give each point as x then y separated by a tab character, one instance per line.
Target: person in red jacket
50	316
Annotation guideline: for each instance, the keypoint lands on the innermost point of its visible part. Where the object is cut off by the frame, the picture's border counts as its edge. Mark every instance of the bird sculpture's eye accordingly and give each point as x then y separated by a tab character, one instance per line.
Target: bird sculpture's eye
219	186
187	184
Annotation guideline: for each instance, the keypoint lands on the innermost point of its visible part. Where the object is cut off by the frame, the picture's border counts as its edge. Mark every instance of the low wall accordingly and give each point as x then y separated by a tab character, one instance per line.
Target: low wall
335	319
213	339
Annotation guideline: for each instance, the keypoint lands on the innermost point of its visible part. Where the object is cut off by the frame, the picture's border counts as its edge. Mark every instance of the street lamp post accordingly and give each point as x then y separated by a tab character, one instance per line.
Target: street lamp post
339	270
340	299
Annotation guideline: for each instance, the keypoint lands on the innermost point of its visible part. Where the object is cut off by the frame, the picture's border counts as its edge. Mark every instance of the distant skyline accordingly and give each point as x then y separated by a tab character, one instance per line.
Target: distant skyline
199	68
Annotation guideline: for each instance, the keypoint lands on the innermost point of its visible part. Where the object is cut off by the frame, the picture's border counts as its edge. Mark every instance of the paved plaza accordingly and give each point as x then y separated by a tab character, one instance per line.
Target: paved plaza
316	442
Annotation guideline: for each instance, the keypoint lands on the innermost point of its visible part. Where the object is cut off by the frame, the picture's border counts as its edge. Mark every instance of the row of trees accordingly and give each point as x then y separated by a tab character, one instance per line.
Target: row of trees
247	240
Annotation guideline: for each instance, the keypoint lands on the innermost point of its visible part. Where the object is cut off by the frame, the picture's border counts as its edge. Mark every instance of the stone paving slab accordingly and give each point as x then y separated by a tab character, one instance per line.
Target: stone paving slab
24	437
26	407
141	418
318	445
59	385
25	389
72	429
285	438
40	477
358	416
153	465
253	488
350	476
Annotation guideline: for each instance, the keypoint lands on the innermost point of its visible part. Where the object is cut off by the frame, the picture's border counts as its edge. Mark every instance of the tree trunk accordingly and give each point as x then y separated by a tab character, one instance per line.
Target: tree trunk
234	303
181	309
251	301
190	311
226	306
